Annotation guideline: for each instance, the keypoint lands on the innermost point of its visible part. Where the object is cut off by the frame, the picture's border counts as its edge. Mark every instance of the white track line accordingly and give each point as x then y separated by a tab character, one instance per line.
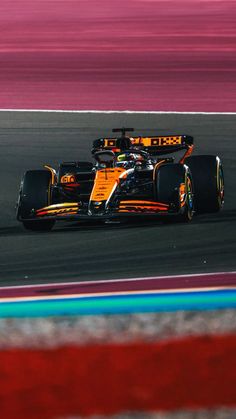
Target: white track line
56	284
116	112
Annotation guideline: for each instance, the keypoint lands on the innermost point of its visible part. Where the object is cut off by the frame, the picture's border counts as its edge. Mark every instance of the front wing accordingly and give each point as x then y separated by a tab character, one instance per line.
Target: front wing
126	208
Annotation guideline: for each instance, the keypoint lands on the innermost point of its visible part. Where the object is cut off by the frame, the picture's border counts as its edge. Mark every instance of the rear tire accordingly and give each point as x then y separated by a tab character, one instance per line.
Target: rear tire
169	180
34	194
208	181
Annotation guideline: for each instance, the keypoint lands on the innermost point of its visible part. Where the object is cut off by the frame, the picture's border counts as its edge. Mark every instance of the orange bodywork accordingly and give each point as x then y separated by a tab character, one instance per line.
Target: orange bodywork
187	153
157	141
182	194
53	174
69	178
142	206
105	183
69	208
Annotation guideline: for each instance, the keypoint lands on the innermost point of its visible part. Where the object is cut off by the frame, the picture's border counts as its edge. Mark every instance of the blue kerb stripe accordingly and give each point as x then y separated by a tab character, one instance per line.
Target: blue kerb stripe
118	304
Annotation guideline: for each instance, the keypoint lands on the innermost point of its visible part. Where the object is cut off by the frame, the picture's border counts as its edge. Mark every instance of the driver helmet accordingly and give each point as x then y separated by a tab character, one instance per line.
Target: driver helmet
123	160
122	157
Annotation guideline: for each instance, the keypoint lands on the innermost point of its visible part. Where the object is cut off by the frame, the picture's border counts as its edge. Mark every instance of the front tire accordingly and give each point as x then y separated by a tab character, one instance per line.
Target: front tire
173	185
208	181
34	194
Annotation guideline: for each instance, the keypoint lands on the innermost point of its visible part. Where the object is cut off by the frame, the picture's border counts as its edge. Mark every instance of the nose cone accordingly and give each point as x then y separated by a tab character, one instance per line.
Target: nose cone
97	207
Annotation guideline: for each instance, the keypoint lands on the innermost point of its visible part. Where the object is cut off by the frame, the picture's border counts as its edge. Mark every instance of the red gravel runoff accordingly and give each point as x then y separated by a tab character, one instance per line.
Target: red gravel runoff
189	373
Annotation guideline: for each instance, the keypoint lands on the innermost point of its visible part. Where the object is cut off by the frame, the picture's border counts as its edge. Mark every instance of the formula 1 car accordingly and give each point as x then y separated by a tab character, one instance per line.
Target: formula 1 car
130	176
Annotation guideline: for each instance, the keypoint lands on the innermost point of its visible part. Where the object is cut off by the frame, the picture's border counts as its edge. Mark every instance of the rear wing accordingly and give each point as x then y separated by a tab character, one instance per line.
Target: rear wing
153	145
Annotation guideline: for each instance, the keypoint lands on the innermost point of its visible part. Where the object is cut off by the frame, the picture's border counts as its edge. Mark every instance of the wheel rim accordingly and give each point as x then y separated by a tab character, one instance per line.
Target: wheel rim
220	185
189	197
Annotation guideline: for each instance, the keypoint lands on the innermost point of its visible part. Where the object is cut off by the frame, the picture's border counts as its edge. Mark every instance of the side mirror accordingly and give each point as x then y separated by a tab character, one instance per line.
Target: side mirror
106	158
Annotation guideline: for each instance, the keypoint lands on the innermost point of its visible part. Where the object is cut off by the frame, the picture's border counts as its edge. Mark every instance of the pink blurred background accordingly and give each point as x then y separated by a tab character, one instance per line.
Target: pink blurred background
121	54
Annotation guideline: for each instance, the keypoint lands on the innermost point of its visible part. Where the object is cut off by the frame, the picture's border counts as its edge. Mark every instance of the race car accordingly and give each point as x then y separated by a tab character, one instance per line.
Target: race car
129	176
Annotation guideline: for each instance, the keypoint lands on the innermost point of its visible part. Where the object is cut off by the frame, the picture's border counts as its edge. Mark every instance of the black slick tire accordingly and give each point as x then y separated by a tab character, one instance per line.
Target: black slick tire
169	180
208	181
34	194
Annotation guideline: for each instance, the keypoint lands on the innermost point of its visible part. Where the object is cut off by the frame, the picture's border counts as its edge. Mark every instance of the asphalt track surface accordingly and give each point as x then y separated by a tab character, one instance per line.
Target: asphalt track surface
81	251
